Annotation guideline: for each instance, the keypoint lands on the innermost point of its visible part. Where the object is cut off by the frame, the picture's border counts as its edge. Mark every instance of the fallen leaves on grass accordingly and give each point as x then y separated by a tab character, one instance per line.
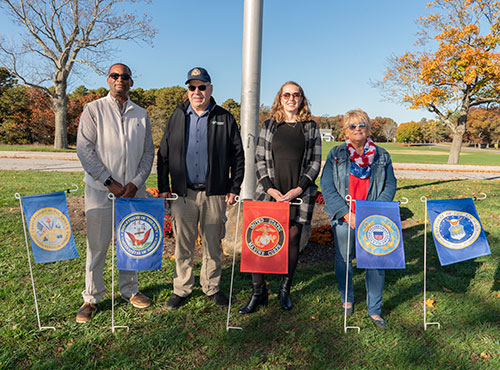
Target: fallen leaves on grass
430	303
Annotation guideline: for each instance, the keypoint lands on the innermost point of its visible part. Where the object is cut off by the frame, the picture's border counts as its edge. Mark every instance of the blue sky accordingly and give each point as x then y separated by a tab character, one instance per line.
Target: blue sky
332	48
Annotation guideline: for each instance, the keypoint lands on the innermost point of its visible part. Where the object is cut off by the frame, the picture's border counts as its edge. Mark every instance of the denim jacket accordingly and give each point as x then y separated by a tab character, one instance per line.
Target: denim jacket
335	180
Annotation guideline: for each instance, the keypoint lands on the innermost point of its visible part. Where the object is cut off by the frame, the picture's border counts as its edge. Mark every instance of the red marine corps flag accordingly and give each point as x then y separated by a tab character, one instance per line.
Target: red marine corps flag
265	237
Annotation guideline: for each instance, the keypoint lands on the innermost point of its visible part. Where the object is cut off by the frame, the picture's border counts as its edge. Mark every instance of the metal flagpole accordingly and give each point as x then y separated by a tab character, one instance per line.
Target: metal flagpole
113	327
40	327
424	199
250	89
349	199
232	272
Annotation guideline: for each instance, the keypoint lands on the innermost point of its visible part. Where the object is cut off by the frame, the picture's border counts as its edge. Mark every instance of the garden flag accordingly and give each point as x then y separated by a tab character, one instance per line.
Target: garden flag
379	240
49	227
265	237
457	231
139	233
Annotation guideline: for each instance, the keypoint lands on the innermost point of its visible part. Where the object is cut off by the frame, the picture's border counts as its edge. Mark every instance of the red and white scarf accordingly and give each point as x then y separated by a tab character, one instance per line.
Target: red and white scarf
368	153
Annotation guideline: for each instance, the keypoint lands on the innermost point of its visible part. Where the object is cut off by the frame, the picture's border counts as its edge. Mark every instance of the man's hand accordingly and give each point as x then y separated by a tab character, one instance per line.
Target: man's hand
276	194
350	216
116	188
230	198
166	194
129	190
292	194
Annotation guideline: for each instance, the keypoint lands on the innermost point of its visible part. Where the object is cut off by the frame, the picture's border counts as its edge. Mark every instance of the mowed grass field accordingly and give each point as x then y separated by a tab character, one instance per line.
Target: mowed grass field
401	153
466	301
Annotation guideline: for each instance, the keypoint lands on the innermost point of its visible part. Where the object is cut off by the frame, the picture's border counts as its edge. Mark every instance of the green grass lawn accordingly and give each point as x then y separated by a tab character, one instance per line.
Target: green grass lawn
466	295
34	148
401	153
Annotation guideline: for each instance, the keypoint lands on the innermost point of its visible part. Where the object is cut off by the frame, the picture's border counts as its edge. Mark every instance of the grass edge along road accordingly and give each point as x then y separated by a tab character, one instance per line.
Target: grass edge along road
400	153
465	300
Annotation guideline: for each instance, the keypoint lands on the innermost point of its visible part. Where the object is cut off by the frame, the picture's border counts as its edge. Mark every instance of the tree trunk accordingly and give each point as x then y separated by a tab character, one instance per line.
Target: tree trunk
60	108
456	145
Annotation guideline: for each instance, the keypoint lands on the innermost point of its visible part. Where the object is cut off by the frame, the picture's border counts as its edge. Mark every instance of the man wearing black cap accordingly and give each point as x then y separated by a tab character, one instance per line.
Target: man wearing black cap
201	159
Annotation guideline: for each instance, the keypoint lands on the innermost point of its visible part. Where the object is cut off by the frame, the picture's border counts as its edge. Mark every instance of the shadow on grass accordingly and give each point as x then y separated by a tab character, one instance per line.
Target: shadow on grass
421	185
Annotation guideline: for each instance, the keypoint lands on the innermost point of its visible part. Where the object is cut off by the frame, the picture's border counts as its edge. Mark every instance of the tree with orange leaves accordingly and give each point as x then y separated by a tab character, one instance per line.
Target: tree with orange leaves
457	66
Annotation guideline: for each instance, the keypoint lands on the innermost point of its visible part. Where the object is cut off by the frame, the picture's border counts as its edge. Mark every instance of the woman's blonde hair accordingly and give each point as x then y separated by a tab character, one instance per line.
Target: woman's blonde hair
361	115
278	113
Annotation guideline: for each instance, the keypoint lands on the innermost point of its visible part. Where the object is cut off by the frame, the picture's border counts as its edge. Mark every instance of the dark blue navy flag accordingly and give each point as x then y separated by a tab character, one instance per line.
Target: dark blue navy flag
139	233
457	231
379	240
49	227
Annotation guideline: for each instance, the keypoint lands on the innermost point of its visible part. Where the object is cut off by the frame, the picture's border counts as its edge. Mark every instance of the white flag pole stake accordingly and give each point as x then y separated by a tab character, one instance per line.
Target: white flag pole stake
40	327
424	199
232	271
113	327
349	199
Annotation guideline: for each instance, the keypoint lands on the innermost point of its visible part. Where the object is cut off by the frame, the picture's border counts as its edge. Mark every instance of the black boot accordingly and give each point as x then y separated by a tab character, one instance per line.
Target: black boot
284	293
259	297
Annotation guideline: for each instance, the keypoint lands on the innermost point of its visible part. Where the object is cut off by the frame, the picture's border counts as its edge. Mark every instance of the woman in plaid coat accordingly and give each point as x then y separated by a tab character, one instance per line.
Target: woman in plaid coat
288	160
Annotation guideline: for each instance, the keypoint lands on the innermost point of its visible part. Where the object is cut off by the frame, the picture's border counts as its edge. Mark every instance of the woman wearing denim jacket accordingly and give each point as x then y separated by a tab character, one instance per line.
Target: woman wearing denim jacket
288	161
364	171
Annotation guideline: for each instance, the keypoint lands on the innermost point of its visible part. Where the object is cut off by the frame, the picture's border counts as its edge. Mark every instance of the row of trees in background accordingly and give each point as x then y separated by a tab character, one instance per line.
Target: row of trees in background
26	116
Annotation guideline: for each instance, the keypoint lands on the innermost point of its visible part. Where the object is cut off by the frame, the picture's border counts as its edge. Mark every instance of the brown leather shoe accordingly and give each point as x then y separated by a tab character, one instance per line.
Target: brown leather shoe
139	300
85	312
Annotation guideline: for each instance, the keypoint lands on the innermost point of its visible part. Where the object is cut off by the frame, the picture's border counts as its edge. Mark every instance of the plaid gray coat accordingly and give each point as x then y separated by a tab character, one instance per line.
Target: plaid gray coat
311	164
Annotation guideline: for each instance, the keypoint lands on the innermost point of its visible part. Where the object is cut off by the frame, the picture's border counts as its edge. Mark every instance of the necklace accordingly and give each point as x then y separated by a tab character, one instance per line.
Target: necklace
292	125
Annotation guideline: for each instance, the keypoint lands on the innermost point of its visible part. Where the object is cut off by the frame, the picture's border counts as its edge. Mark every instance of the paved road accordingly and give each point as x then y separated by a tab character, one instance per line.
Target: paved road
49	161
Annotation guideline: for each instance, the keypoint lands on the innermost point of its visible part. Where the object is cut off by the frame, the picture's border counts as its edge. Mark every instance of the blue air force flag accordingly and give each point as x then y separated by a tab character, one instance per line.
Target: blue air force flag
379	241
49	227
457	231
139	233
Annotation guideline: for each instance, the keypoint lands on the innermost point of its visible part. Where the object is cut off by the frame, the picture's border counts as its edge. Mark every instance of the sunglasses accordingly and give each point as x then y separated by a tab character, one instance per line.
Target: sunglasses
116	76
287	95
193	88
352	126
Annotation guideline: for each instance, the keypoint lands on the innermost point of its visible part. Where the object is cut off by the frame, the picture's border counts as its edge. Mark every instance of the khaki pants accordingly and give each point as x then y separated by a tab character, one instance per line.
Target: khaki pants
209	212
98	212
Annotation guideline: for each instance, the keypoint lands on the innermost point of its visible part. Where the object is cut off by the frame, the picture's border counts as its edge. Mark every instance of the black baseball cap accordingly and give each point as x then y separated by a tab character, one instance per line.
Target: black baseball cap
198	73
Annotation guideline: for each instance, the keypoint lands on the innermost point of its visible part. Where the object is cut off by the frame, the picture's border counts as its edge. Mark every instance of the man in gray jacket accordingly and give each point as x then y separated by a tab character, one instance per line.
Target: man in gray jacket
115	147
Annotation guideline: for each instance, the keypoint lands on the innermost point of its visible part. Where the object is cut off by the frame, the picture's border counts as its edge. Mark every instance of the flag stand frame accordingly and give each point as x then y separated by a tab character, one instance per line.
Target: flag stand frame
297	203
424	200
112	197
232	271
350	200
18	196
113	246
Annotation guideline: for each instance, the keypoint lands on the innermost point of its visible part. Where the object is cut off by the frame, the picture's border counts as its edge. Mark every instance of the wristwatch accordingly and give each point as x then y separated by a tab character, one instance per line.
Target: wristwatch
108	181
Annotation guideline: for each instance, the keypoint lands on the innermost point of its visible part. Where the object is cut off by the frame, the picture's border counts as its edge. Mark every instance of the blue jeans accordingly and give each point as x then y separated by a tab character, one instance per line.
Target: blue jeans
374	279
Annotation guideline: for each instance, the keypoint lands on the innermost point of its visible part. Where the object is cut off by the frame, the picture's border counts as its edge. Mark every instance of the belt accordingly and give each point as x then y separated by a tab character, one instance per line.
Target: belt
197	187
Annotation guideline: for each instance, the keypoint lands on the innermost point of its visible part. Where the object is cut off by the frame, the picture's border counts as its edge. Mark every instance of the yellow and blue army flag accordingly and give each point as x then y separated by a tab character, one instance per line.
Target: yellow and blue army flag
379	240
139	233
49	227
457	231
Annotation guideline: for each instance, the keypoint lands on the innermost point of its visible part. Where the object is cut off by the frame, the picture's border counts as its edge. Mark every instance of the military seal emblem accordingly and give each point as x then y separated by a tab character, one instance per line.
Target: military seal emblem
139	235
265	236
456	229
378	235
50	229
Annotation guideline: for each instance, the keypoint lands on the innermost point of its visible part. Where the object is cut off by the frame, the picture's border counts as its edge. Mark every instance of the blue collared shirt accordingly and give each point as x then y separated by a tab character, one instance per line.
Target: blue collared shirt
196	146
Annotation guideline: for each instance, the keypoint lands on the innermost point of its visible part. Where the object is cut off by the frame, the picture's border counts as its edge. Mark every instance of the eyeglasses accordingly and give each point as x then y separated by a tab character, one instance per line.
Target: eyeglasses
287	95
116	76
352	126
200	87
